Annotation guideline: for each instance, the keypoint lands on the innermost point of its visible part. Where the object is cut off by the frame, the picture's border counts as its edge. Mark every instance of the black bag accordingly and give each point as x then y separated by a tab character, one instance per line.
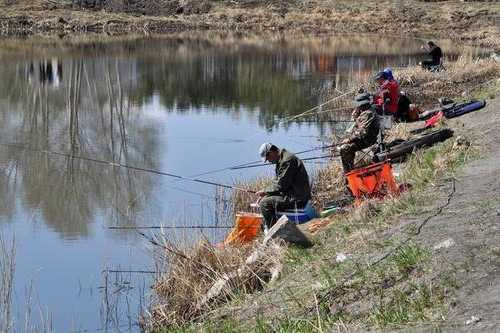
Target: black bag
403	108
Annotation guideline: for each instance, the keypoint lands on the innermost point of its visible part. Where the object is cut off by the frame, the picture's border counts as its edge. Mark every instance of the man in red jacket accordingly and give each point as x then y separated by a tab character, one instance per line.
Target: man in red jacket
387	94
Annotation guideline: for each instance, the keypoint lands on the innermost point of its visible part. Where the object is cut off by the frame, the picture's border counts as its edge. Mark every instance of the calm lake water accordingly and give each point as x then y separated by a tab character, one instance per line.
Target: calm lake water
180	104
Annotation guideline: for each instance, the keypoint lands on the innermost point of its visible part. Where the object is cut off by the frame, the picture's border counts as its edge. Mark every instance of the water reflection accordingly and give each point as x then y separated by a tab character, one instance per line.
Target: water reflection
89	115
45	72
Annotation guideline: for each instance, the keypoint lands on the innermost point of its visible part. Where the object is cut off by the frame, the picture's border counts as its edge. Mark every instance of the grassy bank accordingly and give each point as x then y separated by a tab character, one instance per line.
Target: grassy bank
389	280
395	287
468	22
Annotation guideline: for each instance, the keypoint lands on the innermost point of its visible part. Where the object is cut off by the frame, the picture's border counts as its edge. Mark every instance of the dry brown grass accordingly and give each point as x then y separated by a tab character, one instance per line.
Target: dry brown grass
190	274
468	22
399	131
458	80
328	185
241	200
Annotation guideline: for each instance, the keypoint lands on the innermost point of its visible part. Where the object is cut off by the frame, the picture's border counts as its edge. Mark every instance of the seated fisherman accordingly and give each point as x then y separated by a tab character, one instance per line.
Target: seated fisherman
404	113
291	187
387	97
436	55
364	134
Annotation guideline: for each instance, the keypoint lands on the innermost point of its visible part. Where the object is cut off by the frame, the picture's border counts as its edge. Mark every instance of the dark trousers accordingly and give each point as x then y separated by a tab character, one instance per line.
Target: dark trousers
271	204
428	64
348	153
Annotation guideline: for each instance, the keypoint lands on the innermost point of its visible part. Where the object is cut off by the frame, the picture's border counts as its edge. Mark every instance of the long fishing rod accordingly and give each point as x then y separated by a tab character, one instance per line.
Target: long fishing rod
325	121
131	271
133	227
306	113
259	162
311	110
302	159
121	165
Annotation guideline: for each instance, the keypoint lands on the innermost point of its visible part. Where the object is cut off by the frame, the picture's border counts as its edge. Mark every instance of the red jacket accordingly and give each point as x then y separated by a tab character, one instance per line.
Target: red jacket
388	89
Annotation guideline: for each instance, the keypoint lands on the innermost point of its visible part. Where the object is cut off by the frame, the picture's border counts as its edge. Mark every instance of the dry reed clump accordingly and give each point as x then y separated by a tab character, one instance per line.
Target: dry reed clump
398	131
461	147
328	185
459	78
190	274
241	200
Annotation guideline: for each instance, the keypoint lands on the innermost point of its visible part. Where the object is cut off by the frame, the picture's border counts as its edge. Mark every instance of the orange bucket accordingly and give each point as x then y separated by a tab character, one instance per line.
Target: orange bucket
375	180
246	228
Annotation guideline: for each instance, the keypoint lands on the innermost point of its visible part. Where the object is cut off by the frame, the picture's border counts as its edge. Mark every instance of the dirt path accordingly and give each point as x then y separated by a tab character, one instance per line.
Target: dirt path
471	223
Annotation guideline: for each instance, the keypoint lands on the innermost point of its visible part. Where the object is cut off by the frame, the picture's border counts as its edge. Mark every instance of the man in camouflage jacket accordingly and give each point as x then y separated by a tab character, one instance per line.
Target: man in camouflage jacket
364	134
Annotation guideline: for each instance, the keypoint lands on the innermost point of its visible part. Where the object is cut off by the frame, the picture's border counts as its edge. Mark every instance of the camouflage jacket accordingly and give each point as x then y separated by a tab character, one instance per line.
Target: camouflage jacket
366	127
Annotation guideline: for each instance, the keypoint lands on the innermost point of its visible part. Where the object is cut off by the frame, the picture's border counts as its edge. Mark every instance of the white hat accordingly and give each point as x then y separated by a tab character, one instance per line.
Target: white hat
264	150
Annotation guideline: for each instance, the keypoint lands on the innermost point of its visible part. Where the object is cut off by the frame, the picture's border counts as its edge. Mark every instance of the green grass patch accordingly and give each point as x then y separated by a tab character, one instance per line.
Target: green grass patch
416	303
408	257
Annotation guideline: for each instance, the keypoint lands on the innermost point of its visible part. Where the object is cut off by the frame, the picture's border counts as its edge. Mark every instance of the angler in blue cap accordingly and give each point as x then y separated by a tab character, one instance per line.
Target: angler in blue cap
290	188
388	74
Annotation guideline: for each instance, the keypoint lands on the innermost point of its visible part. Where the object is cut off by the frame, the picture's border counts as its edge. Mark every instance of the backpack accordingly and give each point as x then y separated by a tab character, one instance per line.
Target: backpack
403	107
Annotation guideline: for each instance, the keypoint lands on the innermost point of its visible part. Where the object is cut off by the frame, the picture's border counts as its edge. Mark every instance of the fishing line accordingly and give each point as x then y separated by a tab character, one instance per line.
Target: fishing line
121	165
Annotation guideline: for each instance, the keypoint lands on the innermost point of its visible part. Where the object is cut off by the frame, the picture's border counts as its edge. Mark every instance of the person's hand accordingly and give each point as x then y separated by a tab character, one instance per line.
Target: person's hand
355	113
345	141
261	194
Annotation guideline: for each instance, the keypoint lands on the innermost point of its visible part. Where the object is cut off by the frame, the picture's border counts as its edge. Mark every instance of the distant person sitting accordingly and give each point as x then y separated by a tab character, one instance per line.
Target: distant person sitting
387	98
436	54
290	189
364	134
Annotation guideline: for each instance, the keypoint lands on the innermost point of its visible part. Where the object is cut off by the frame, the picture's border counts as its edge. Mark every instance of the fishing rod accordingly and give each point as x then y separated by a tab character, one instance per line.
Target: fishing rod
308	112
325	121
121	165
259	162
131	271
302	159
311	110
133	227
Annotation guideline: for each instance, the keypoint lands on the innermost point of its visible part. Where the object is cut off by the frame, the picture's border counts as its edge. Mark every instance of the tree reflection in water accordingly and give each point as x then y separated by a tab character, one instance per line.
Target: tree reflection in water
88	115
